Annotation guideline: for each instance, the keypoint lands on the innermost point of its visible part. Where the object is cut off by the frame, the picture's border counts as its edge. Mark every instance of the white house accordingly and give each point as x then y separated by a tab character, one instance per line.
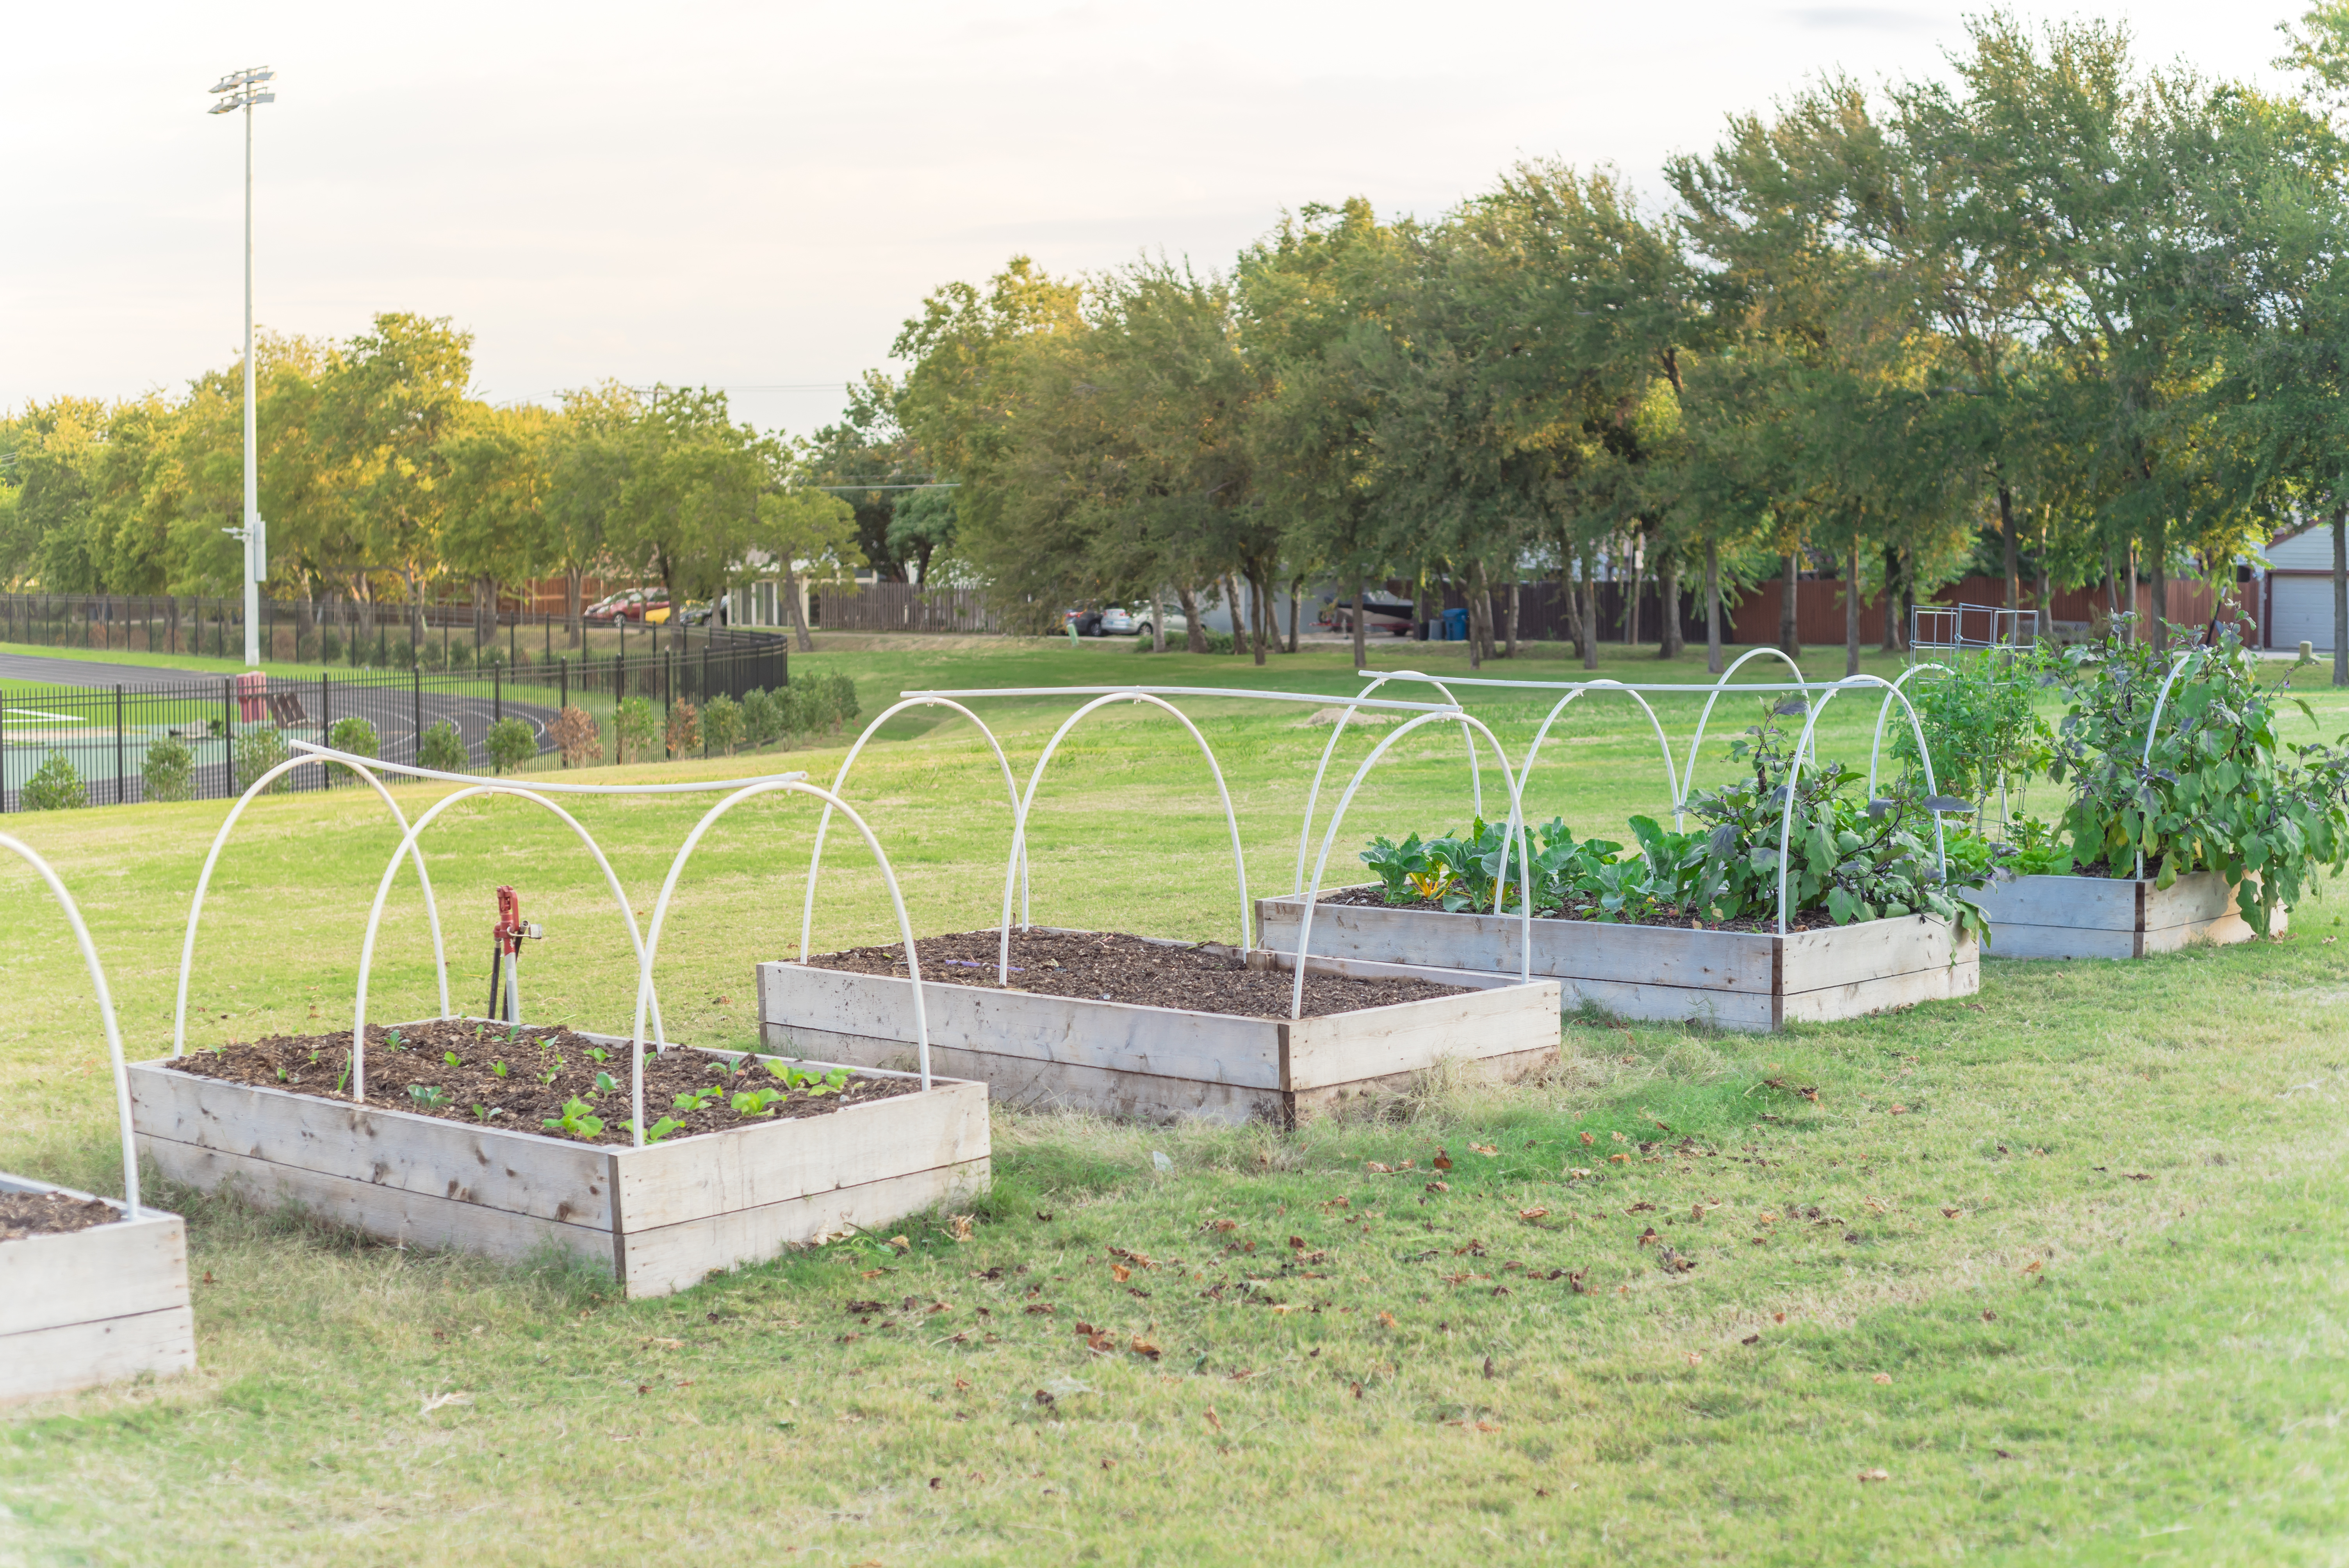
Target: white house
2295	597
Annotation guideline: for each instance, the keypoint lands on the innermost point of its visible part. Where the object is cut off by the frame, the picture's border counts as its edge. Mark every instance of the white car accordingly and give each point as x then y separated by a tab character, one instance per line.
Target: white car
1119	622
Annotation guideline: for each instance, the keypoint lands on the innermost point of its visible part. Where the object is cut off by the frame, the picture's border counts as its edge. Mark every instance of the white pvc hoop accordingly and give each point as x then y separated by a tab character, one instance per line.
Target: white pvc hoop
105	1012
1876	746
1794	775
383	889
1019	824
660	912
2176	669
1720	684
1313	795
360	766
1515	826
840	779
1671	780
544	786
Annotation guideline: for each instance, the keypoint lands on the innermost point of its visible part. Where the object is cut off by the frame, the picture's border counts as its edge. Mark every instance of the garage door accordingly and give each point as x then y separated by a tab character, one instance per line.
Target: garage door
2301	612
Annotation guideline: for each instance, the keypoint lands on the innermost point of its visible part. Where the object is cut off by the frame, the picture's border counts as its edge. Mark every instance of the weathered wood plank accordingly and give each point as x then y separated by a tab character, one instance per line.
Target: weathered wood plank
121	1270
2008	940
1116	1035
675	1257
2112	917
1309	1103
1847	955
503	1169
394	1213
757	1167
1411	1037
1743	1010
1033	1083
1882	992
2085	903
86	1354
1366	969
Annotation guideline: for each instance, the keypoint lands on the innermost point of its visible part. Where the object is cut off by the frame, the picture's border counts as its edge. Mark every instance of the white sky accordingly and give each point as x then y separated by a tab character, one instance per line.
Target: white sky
755	196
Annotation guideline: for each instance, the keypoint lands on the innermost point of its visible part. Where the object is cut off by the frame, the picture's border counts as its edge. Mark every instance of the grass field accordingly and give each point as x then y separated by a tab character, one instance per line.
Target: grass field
2073	1285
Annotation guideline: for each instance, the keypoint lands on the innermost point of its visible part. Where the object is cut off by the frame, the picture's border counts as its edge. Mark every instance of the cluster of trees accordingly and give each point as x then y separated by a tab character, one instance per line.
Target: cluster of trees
385	483
2061	317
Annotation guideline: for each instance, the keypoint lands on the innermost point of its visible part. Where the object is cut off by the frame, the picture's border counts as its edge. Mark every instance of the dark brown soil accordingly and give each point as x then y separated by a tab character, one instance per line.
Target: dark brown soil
1809	920
50	1213
1108	966
524	1099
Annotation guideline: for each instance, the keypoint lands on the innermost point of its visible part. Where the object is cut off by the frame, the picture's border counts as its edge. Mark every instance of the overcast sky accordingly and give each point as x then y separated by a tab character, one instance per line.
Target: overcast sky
754	196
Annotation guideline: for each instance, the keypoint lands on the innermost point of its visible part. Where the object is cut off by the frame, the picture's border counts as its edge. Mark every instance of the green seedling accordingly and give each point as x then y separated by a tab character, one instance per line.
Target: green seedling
429	1096
483	1112
394	1041
451	1059
578	1118
598	1054
498	1069
659	1130
604	1084
694	1099
808	1079
345	1078
281	1075
754	1101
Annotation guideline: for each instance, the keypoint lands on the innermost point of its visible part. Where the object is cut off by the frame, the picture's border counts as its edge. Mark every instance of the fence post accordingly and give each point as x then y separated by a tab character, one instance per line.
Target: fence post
325	725
497	695
122	776
564	701
416	738
228	734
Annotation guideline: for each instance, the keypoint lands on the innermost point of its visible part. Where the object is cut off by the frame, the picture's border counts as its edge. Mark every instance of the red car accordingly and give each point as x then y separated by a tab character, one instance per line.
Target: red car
629	605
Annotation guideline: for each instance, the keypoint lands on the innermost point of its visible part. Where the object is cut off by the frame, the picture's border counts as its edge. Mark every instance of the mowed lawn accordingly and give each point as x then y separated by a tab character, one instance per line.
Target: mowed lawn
2063	1264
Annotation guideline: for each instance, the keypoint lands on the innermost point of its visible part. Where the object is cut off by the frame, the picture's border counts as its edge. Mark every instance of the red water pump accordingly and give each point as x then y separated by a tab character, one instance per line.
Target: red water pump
506	938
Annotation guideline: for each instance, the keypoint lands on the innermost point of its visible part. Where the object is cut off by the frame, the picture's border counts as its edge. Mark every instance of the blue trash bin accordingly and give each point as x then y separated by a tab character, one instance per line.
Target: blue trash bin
1455	626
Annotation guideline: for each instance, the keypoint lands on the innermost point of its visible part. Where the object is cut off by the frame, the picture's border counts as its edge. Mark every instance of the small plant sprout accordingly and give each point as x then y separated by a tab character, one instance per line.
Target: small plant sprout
808	1079
659	1130
578	1120
754	1101
451	1059
598	1054
498	1069
344	1079
604	1084
694	1099
483	1112
431	1097
394	1041
281	1075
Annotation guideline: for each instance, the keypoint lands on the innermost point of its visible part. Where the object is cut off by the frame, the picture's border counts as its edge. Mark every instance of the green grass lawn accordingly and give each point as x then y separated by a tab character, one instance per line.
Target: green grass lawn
2073	1283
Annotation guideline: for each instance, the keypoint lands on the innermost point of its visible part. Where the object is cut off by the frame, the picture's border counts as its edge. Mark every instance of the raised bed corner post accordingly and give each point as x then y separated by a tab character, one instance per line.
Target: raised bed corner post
1671	780
203	880
1517	826
840	781
105	1013
1794	775
383	891
2154	727
668	887
1019	822
1475	774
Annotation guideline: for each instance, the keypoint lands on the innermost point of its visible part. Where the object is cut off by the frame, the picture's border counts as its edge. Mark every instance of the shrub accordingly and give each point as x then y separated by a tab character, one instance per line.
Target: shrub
721	725
356	736
258	750
512	743
574	735
460	655
763	716
442	749
54	785
841	703
170	771
684	737
330	647
635	728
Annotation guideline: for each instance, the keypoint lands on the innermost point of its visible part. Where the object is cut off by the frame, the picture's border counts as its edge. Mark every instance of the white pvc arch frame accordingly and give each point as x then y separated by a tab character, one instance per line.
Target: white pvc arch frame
1671	780
651	947
2176	668
105	1012
1720	684
1516	827
840	781
1794	775
1019	823
318	756
383	889
1313	795
1876	746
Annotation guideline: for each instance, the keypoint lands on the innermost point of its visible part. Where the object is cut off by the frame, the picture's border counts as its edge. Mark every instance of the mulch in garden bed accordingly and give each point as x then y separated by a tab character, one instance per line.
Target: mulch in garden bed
419	1057
50	1213
1110	967
1374	897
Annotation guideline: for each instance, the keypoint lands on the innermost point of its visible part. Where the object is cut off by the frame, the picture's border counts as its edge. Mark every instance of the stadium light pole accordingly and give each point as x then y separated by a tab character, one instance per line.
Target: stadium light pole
241	90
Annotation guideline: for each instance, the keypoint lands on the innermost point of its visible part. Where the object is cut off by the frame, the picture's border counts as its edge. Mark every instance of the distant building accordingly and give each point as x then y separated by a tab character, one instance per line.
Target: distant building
2295	596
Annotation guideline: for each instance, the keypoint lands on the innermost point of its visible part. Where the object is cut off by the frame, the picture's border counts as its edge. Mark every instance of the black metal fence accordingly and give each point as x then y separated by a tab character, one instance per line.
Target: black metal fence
166	734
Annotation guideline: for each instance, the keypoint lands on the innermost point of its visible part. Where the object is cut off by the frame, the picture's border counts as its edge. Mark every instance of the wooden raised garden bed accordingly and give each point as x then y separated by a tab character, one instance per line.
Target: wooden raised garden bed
1192	1031
92	1305
1734	979
2111	917
661	1218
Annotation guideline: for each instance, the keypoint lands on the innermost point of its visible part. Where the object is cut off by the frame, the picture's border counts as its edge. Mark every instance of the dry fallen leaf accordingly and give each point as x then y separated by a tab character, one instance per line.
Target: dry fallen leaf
901	1244
1618	1159
1695	1358
1387	1320
1577	1173
1952	1213
437	1401
1120	1272
1212	1419
1378	1170
1439	1186
1868	1475
1441	1162
1751	1339
1142	1346
1884	1377
2031	1267
959	1227
1484	1148
1531	1213
1588	1139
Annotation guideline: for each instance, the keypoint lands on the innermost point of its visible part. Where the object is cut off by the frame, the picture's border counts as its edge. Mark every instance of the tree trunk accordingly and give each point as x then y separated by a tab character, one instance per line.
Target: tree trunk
1158	620
1262	612
2135	630
574	581
2112	590
1589	614
1789	642
798	609
1362	643
1224	585
1891	576
1480	610
1631	594
1712	608
2158	612
2014	547
1195	629
1514	586
1296	588
1851	611
1570	594
1667	597
2340	594
1907	595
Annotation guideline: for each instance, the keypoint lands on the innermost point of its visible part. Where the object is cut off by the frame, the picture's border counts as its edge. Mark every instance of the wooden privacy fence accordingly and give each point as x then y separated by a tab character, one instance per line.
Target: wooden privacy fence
902	607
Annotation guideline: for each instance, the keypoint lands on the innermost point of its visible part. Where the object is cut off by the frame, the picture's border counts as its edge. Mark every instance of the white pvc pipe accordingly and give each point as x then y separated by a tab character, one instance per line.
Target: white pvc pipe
105	1013
545	787
383	889
660	913
1363	698
1688	774
1515	826
2176	669
1876	746
1019	823
840	779
358	764
1671	780
1795	775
